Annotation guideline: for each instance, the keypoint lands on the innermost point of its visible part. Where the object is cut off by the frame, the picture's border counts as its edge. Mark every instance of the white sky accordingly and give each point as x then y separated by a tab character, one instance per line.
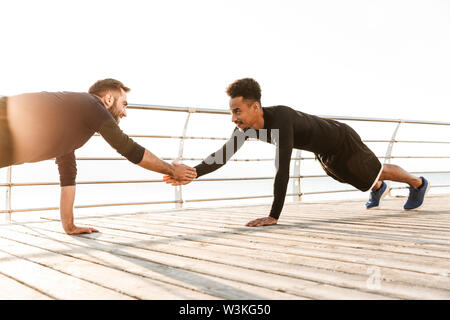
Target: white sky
369	58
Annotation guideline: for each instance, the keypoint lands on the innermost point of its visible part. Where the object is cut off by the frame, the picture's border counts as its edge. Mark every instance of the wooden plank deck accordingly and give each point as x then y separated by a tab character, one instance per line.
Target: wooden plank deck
329	250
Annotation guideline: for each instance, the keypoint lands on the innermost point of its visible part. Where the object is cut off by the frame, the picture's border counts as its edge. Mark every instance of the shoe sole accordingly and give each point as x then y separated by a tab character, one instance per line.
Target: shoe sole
385	193
426	191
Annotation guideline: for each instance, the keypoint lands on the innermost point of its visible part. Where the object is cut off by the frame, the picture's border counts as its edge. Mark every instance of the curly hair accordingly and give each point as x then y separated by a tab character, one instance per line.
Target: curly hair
246	88
102	86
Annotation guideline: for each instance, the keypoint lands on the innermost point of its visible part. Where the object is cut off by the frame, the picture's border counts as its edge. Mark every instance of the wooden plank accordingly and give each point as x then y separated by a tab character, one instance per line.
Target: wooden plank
423	264
373	217
205	221
124	283
314	257
344	224
279	230
366	221
289	266
44	279
381	219
330	228
295	286
330	212
207	285
14	290
318	258
319	251
342	209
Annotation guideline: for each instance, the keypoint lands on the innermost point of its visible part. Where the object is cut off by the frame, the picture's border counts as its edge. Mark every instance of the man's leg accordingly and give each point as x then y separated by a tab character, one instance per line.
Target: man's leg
395	173
418	187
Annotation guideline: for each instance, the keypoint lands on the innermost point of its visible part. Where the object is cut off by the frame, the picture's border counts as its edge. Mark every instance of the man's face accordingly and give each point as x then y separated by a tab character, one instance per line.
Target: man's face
118	109
243	112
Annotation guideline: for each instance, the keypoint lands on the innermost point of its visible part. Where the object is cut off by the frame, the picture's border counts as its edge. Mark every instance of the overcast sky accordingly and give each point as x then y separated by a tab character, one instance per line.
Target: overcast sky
385	59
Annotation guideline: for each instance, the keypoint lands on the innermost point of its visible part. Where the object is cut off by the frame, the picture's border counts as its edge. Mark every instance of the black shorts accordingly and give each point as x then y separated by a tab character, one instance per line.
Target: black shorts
354	163
5	136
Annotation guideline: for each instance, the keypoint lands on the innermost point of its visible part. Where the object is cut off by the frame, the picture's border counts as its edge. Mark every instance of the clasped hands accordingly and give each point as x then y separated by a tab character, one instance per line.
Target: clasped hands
182	174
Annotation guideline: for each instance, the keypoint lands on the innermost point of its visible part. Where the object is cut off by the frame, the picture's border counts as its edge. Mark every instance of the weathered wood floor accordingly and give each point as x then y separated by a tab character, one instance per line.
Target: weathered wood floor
335	250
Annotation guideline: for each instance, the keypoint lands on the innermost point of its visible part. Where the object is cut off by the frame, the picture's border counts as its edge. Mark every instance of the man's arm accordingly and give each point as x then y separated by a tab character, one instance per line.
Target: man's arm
178	171
279	190
67	168
66	212
215	160
282	163
281	181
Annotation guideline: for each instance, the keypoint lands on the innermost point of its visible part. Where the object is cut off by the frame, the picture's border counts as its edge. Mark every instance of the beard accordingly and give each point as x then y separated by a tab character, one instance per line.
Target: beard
114	111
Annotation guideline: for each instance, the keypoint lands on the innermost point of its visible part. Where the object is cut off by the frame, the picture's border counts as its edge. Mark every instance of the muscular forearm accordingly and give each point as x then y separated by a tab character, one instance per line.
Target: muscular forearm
153	163
66	211
203	168
281	181
217	159
66	207
280	188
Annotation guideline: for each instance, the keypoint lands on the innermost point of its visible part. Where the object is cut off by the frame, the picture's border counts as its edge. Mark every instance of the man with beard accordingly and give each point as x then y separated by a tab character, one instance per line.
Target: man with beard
46	125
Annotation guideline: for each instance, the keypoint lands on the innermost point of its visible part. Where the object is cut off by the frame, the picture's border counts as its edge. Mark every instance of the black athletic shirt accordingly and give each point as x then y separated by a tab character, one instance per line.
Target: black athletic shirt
296	129
49	125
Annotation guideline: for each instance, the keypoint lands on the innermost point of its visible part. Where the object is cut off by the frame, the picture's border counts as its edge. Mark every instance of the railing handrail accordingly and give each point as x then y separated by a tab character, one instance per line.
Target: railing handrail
31	184
227	112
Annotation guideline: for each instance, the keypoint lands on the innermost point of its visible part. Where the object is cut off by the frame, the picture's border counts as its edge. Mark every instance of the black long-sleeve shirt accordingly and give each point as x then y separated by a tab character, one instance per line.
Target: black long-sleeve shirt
47	125
287	129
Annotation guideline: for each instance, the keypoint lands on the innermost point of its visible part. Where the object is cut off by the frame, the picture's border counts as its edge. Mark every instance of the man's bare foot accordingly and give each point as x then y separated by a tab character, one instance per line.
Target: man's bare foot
266	221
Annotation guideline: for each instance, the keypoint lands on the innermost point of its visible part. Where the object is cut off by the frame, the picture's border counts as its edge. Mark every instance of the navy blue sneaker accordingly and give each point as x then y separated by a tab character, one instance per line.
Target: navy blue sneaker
376	196
416	196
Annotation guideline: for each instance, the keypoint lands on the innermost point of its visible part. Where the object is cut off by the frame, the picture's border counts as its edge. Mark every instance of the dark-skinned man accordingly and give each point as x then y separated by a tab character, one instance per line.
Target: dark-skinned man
337	147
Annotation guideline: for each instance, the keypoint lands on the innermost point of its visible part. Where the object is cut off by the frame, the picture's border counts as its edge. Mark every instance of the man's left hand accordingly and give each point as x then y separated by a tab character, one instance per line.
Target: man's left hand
79	230
266	221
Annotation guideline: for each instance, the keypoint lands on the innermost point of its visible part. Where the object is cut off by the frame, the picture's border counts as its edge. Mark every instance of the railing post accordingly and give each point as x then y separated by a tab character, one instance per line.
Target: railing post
178	189
297	183
387	159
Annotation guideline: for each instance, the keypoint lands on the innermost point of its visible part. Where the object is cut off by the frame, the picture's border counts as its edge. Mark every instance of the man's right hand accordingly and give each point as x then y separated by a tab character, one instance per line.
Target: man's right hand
182	172
173	182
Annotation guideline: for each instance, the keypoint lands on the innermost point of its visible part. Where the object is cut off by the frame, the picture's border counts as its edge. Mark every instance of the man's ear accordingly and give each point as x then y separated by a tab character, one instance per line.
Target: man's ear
108	100
256	106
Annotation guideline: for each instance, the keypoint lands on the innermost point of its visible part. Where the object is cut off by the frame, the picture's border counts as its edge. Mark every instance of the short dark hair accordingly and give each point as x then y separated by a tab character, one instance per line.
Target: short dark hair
102	86
247	88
